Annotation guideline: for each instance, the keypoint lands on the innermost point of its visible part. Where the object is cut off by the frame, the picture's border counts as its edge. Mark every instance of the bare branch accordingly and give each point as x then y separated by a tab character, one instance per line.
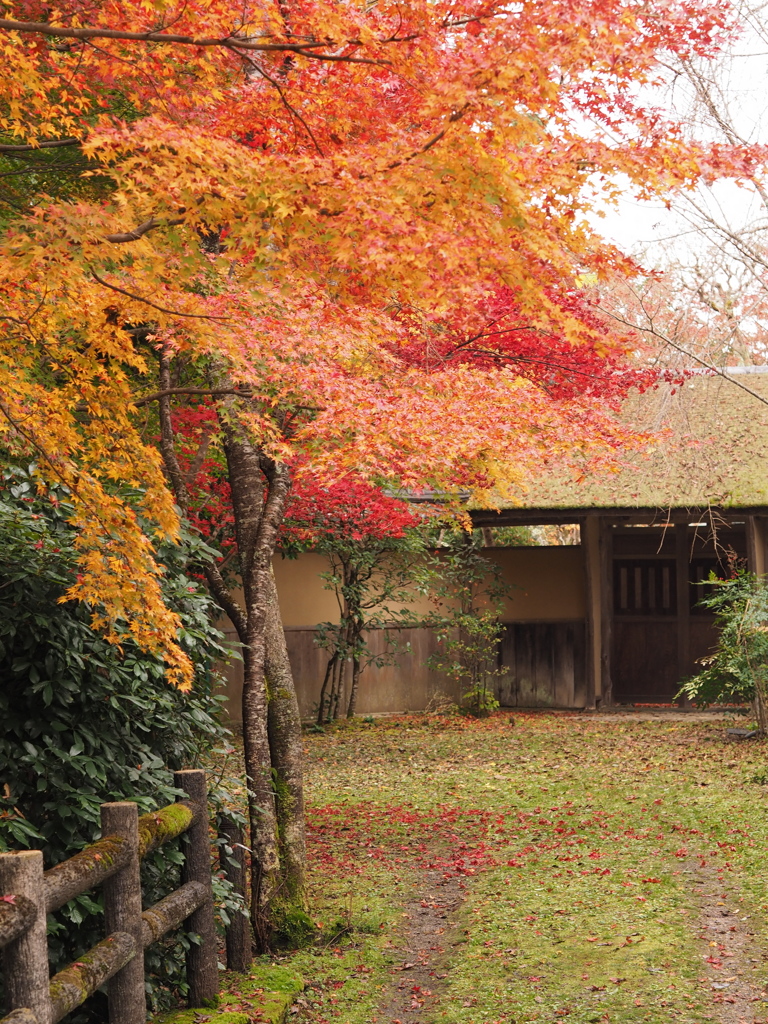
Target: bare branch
40	145
154	305
241	392
721	372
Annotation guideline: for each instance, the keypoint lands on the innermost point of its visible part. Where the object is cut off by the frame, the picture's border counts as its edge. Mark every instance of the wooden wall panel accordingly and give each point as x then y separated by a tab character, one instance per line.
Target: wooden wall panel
704	636
407	685
545	664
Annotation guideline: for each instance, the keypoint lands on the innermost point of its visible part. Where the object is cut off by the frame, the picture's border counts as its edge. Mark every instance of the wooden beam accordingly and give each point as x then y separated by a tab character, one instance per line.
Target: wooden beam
605	541
590	546
169	912
72	986
85	870
630	516
682	574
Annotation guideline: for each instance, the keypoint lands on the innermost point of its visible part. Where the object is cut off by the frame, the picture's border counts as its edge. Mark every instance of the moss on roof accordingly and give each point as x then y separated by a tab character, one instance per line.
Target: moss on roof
716	452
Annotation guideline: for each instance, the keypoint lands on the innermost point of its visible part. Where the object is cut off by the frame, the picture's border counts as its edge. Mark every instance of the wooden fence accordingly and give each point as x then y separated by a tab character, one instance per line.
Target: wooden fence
32	996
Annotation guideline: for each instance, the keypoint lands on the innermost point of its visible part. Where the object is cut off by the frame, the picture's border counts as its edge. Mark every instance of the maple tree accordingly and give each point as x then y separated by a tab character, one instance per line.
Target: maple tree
307	212
372	542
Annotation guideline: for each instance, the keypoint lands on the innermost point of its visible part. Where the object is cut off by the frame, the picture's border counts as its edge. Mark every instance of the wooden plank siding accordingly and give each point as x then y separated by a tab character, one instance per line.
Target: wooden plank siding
544	663
407	685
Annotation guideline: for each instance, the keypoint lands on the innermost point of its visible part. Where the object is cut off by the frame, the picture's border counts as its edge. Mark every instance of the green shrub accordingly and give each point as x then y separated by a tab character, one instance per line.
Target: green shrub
85	721
467	591
738	669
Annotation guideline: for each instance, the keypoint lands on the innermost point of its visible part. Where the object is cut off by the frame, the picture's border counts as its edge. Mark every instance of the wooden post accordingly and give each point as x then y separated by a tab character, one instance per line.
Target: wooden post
590	547
122	913
202	959
606	610
239	955
25	959
682	574
756	561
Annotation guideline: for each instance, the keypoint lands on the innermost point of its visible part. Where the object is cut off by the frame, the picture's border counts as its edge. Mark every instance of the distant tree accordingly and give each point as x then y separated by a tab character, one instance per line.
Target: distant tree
374	546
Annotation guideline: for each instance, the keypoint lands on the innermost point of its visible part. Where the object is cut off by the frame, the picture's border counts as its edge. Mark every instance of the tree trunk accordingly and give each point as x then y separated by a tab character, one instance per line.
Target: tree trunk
338	693
284	724
271	735
256	525
356	670
265	859
330	668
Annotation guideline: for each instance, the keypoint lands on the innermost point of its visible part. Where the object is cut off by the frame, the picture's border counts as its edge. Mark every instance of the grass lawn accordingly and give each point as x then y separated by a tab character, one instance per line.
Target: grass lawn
536	867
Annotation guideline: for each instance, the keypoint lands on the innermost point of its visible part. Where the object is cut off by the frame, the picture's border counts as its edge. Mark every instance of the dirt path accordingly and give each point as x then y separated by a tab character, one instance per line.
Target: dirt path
665	715
417	981
734	965
734	969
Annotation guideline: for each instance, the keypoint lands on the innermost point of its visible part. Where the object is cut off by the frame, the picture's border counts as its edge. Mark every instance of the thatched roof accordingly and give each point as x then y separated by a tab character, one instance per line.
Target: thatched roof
717	454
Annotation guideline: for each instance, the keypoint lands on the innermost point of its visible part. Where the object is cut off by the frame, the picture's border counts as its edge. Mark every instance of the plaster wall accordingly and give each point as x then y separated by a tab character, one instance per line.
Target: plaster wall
547	585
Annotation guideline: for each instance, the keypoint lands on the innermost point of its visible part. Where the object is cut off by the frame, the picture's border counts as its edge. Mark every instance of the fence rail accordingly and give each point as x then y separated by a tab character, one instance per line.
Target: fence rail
29	893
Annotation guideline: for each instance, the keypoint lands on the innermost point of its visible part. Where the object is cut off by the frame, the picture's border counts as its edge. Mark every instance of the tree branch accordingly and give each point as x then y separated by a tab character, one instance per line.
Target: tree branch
167	437
149	225
154	305
40	145
721	372
305	49
224	598
241	392
286	104
202	450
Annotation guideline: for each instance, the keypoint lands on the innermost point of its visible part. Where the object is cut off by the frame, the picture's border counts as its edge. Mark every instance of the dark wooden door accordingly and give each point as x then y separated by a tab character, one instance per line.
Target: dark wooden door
644	656
645	663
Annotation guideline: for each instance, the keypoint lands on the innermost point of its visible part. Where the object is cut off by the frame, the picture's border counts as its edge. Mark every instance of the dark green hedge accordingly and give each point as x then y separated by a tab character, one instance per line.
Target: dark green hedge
83	721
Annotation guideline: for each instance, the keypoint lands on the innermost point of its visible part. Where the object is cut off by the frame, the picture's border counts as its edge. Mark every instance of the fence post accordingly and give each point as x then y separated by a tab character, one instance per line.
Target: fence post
239	957
122	913
202	959
25	959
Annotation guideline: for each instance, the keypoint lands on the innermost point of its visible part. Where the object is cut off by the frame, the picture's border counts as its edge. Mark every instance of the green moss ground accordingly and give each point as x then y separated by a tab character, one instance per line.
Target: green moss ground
263	994
584	847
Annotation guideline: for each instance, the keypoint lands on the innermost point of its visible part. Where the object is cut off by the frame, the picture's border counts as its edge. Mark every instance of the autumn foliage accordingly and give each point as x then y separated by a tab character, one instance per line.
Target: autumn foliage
361	226
346	510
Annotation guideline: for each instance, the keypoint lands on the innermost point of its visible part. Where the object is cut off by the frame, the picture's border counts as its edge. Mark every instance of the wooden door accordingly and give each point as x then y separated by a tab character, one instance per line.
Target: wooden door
645	659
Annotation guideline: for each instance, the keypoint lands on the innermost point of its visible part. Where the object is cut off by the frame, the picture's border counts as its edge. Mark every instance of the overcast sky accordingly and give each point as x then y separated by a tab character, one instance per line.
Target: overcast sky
742	80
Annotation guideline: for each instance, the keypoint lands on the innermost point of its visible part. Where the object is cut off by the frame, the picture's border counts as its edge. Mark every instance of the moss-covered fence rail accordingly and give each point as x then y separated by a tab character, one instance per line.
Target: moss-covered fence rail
29	893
